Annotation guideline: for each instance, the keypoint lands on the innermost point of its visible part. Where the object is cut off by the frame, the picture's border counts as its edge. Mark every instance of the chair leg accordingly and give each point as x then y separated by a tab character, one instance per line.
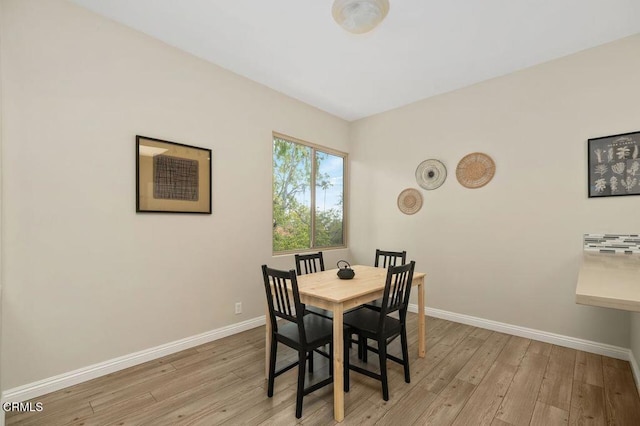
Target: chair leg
272	365
405	355
302	359
311	361
382	355
362	343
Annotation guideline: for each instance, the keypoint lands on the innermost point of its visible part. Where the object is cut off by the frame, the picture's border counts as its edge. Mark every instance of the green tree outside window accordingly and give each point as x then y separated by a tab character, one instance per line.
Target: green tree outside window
307	180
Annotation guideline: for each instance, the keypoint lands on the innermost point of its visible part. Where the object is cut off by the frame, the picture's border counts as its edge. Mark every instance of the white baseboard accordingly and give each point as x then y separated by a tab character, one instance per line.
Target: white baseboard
530	333
42	387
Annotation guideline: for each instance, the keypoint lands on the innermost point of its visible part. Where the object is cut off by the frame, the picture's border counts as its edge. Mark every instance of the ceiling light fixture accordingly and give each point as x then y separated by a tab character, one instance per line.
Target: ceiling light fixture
359	16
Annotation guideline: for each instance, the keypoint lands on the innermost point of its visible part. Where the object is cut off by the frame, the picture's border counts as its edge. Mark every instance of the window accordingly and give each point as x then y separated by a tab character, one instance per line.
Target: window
308	196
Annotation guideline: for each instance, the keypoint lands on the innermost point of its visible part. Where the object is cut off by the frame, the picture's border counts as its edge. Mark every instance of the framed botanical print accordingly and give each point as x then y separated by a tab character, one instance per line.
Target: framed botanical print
614	165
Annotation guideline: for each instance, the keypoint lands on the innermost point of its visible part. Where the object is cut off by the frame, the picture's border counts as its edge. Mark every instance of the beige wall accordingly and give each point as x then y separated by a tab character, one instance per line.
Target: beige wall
510	251
86	278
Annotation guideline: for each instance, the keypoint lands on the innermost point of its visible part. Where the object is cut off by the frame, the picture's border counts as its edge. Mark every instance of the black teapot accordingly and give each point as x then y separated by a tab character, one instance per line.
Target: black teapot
345	272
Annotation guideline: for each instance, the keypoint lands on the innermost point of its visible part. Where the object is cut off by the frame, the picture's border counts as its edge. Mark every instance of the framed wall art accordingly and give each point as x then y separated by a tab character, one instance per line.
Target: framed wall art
172	177
614	165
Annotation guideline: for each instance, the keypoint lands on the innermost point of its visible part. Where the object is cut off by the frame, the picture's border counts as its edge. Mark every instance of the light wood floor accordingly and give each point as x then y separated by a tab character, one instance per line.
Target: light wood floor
470	376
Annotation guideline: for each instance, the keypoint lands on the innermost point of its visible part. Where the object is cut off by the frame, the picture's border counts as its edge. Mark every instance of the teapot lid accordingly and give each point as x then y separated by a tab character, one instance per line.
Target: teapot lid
348	266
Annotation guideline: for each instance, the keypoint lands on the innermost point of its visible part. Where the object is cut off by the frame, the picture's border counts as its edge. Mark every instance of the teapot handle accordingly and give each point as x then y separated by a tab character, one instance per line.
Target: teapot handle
343	261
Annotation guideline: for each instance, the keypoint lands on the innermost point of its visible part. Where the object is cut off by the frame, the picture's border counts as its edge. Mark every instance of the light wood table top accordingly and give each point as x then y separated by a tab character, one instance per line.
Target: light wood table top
327	286
610	281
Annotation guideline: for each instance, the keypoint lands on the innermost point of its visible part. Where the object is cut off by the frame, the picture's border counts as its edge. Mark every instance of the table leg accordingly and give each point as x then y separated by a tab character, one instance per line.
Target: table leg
267	345
338	366
421	322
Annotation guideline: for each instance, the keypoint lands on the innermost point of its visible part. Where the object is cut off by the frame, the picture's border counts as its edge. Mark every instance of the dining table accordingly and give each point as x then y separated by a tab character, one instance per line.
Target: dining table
325	290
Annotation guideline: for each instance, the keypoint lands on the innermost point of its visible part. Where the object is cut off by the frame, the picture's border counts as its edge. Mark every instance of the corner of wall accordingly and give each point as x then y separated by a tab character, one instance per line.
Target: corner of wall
634	358
635	369
1	208
1	204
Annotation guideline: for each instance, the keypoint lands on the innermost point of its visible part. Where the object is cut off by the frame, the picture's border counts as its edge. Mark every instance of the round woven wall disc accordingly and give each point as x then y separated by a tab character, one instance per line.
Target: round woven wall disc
431	174
410	201
475	170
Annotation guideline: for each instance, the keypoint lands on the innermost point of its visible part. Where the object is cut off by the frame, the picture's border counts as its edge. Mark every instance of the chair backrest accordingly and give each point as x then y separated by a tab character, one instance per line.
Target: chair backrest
396	291
309	263
283	298
384	259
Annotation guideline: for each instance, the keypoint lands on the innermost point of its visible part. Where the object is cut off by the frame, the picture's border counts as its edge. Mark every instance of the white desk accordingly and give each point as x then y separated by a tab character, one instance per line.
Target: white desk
610	281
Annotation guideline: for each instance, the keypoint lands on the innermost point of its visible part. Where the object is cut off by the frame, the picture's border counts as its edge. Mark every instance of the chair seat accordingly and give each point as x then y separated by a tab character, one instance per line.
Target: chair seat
319	331
366	321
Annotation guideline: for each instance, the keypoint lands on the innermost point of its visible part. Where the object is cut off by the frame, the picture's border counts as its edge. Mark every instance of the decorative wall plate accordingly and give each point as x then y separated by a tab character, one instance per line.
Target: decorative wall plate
410	201
475	170
431	174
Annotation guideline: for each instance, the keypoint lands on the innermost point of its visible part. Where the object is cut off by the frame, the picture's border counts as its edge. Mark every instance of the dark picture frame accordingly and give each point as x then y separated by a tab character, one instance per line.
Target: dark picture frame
614	165
172	177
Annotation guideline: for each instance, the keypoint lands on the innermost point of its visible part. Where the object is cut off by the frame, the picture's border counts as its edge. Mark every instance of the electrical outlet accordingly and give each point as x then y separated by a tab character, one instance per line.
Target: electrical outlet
238	307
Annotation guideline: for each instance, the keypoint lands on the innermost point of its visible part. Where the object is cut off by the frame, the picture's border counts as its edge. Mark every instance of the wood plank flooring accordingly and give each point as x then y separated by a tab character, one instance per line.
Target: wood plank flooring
470	376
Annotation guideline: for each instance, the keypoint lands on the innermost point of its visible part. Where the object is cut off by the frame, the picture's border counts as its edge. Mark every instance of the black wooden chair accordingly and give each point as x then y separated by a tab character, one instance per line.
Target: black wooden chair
379	326
384	259
303	333
309	264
